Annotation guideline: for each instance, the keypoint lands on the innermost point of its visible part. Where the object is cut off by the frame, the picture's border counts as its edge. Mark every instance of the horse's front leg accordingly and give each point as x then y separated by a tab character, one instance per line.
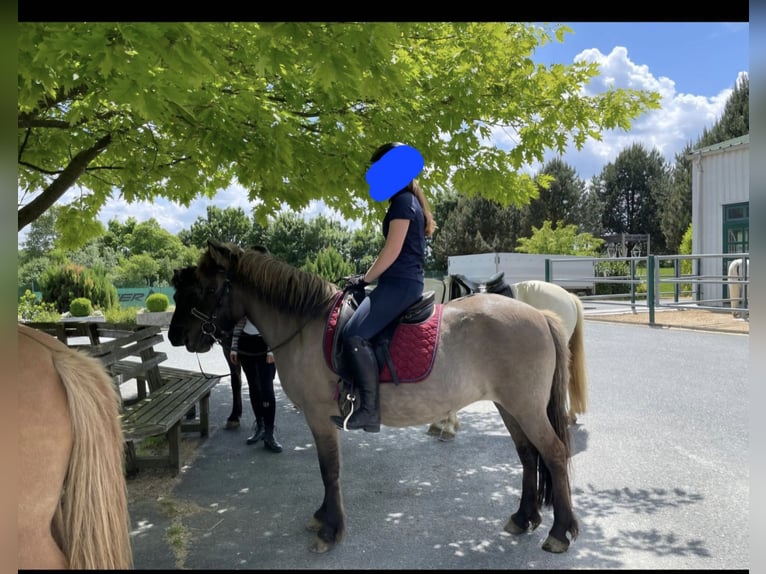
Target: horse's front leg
329	521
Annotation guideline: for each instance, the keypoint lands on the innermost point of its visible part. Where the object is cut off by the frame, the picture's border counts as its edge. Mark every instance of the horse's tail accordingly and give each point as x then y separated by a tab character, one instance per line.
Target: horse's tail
578	385
93	523
557	411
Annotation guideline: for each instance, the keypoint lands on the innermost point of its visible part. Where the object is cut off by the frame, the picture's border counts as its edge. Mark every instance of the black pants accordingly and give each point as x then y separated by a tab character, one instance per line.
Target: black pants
260	376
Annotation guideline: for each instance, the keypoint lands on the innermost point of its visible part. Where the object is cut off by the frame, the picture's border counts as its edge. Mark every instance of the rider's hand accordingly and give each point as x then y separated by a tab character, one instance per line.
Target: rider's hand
233	357
356	281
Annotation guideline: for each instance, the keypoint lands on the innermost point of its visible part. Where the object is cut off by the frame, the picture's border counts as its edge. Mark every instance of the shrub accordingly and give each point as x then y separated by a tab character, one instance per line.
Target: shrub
610	268
81	307
121	315
157	302
30	309
63	283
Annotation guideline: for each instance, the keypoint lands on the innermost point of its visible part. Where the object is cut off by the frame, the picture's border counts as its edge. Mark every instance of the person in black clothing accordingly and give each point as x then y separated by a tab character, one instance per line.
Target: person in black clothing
250	350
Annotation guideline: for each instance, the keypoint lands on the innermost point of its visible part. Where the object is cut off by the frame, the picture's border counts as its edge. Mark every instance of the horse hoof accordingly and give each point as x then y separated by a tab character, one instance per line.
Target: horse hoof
320	546
447	436
313	525
231	425
555	545
434	430
512	528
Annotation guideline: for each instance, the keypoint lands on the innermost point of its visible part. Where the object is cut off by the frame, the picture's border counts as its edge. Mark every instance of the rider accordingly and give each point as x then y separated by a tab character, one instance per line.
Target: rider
398	269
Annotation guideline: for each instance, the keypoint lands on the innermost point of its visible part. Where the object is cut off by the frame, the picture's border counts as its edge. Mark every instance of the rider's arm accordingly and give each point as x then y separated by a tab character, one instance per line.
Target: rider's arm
397	231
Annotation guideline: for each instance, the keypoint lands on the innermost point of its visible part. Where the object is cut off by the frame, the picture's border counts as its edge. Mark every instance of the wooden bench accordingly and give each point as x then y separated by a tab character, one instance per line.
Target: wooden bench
166	397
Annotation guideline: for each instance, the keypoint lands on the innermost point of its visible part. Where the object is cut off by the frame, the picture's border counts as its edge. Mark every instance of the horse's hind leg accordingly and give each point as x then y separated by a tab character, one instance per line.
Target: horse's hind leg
446	429
553	481
528	513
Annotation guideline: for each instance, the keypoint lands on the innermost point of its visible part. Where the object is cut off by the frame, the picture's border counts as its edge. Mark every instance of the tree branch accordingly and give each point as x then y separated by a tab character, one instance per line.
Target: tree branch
62	183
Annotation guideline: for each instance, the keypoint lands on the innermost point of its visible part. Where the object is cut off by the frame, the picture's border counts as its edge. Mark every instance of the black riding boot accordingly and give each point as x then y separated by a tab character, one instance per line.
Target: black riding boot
270	441
364	371
259	430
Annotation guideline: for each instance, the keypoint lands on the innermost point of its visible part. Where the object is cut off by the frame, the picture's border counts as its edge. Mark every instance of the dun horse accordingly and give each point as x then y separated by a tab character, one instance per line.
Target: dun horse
487	348
72	495
541	295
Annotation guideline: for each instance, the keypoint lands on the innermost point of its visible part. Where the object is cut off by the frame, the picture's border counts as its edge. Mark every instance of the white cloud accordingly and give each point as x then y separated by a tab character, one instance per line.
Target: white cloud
681	119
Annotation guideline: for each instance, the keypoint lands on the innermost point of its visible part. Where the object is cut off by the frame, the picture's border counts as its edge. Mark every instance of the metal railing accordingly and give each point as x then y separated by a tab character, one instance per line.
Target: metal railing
645	282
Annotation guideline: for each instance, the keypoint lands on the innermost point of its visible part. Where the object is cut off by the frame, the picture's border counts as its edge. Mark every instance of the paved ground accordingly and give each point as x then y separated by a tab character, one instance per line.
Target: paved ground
660	477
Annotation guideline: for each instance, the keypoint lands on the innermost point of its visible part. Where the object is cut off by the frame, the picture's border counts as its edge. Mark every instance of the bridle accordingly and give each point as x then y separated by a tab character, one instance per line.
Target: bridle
209	328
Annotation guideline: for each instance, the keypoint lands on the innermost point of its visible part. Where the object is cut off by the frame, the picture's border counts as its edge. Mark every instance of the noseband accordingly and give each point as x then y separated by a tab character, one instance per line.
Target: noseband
209	327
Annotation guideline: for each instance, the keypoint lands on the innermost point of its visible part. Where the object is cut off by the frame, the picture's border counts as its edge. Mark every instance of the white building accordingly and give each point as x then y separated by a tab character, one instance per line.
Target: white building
720	210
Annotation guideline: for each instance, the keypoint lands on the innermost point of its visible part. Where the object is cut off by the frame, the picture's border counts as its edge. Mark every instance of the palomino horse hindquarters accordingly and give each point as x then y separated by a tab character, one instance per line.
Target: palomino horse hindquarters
737	281
72	495
490	348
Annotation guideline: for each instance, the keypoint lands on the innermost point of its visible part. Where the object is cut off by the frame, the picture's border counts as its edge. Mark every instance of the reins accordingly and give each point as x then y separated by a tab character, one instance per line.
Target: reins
209	327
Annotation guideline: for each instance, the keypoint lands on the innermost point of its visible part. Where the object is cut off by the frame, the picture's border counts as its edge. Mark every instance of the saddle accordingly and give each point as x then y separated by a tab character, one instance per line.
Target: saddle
462	285
406	347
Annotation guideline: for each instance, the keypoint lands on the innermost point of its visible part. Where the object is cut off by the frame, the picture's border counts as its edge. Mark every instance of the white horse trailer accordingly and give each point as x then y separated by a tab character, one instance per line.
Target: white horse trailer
572	272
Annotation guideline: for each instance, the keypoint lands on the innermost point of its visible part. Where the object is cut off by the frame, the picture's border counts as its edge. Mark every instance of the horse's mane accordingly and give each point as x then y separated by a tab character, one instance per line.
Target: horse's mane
278	283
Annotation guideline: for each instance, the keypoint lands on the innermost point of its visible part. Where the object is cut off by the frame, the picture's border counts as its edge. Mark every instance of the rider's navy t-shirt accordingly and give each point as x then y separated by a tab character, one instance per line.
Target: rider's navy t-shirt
409	264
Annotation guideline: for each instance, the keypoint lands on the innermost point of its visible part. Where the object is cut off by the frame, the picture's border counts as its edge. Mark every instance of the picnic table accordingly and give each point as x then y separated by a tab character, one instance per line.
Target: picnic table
168	401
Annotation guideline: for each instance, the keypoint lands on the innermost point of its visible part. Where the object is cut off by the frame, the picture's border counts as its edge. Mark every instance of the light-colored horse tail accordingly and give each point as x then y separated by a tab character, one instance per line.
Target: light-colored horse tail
92	524
578	386
557	405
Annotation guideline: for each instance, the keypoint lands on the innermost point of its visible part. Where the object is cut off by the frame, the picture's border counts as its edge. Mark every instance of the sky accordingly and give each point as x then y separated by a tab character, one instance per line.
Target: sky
693	65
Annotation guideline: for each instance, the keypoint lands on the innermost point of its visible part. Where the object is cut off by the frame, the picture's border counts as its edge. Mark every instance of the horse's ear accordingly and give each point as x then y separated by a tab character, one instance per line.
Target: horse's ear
220	253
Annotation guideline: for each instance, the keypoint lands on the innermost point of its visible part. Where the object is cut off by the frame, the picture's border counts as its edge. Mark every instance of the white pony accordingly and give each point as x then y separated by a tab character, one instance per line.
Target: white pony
738	281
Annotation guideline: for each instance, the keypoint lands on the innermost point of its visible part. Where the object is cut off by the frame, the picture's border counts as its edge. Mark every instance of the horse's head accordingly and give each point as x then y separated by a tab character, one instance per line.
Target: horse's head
204	308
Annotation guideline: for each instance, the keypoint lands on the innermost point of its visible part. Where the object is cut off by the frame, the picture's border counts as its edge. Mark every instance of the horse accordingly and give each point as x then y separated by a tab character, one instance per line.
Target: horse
737	280
182	278
484	348
72	493
542	295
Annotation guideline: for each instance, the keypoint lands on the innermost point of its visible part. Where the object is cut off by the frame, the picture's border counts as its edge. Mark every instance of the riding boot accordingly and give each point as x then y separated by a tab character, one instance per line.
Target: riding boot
259	430
270	441
365	372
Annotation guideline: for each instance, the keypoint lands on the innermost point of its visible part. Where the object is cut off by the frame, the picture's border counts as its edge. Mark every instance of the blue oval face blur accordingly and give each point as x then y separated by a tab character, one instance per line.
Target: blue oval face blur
393	171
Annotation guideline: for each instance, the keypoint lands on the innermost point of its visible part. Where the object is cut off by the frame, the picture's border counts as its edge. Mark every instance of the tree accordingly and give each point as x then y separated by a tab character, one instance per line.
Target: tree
330	265
289	110
735	119
295	240
41	238
561	240
677	215
560	201
229	225
138	270
591	208
633	192
477	225
365	245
